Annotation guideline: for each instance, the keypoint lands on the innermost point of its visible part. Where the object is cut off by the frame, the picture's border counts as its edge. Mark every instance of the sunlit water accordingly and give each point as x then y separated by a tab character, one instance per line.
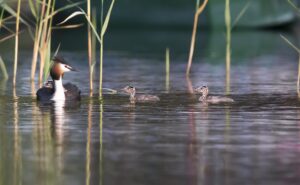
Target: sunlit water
255	140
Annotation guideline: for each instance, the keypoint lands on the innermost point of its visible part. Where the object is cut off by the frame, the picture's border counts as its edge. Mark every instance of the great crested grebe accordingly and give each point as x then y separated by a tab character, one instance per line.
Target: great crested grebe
211	99
139	98
55	90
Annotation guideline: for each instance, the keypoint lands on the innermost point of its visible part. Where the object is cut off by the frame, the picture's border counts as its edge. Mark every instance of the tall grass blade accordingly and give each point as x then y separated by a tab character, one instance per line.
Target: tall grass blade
107	18
7	37
290	43
62	9
14	13
57	50
3	69
32	8
77	13
241	14
74	14
1	18
71	26
293	5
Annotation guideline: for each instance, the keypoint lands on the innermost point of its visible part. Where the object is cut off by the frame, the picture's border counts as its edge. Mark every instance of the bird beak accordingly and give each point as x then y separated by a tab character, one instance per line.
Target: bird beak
72	68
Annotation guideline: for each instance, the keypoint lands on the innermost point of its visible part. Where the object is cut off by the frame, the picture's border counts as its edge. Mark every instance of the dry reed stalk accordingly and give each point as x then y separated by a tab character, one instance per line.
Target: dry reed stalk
193	39
90	47
37	40
45	41
16	43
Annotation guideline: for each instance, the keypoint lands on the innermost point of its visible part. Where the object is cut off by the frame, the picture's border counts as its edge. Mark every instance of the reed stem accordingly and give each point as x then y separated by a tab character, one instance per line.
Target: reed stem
16	43
3	69
101	51
228	44
101	69
298	81
167	69
90	47
193	39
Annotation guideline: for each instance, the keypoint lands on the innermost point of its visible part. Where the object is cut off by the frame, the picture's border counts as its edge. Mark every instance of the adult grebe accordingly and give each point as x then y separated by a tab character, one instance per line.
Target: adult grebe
211	99
55	90
139	98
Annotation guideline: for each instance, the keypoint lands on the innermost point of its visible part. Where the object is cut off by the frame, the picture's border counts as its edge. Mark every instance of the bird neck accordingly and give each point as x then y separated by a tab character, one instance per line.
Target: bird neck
59	91
132	97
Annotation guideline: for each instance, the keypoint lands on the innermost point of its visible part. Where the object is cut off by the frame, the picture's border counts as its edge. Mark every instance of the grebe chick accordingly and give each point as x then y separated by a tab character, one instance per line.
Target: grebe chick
55	90
211	99
139	98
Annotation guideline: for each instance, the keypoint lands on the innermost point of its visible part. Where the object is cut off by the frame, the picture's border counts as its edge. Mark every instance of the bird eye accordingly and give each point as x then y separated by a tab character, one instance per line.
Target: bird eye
67	67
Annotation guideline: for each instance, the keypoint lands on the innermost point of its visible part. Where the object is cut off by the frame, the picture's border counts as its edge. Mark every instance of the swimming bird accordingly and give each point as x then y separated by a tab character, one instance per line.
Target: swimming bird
211	99
139	98
55	90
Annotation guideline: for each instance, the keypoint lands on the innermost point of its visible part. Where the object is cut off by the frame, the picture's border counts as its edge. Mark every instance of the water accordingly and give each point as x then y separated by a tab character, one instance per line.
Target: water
255	140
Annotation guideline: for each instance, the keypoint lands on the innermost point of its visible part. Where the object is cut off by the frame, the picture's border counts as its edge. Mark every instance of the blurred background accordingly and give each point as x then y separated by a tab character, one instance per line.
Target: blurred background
155	24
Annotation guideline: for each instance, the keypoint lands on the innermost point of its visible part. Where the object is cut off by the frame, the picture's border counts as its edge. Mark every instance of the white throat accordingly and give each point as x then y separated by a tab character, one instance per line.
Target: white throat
59	91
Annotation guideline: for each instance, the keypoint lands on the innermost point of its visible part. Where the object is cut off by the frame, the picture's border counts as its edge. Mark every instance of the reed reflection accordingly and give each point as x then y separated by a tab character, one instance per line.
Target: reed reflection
88	144
94	147
101	145
194	162
228	148
33	90
193	158
48	142
17	155
3	86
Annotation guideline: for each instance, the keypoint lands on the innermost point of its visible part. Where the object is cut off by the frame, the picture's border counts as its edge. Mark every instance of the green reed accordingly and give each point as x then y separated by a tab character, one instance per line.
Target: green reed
228	44
167	69
44	12
99	36
104	26
199	10
42	37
